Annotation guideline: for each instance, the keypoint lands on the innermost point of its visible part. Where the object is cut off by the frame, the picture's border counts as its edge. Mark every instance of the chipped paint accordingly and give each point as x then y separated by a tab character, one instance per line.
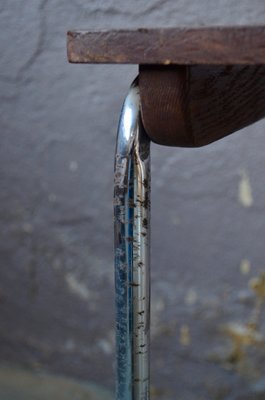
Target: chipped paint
184	336
257	284
245	266
77	287
243	335
245	197
247	334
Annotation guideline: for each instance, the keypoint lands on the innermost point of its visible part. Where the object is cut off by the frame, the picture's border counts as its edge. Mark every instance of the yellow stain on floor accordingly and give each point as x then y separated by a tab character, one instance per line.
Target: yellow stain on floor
245	266
257	284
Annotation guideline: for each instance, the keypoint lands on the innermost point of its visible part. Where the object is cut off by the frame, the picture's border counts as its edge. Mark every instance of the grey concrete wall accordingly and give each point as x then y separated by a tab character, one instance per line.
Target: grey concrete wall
58	126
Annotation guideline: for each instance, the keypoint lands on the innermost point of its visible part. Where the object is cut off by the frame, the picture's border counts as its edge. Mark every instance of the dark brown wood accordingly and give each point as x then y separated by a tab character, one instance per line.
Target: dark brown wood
182	46
191	106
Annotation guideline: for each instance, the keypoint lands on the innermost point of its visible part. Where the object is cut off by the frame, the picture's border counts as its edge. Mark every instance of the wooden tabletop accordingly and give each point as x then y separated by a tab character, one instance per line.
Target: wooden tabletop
182	46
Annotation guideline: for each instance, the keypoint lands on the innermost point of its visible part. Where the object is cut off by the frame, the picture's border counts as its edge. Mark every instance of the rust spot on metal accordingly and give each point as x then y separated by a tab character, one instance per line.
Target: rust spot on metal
145	222
145	183
134	284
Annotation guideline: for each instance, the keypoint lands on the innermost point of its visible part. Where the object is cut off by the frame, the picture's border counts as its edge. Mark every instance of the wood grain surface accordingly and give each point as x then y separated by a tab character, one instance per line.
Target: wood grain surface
183	46
191	106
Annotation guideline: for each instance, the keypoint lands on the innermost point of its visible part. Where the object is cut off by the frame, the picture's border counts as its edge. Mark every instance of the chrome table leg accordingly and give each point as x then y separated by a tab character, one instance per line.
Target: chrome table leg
132	246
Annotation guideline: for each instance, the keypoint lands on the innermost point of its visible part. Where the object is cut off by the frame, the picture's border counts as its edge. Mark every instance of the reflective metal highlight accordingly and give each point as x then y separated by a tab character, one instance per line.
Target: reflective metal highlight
132	244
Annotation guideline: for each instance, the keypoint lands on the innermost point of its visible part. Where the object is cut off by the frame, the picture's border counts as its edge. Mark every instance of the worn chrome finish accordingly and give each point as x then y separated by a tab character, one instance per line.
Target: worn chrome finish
131	220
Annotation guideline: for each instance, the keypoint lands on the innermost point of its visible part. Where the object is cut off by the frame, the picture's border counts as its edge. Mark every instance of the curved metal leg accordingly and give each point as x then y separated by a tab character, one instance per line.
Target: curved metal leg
132	243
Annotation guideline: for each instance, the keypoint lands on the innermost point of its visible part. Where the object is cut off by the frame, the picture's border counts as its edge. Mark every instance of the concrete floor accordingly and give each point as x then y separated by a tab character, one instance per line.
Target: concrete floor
20	384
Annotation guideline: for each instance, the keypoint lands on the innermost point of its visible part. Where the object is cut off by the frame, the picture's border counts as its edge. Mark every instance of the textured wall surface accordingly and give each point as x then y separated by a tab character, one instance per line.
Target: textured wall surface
58	126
